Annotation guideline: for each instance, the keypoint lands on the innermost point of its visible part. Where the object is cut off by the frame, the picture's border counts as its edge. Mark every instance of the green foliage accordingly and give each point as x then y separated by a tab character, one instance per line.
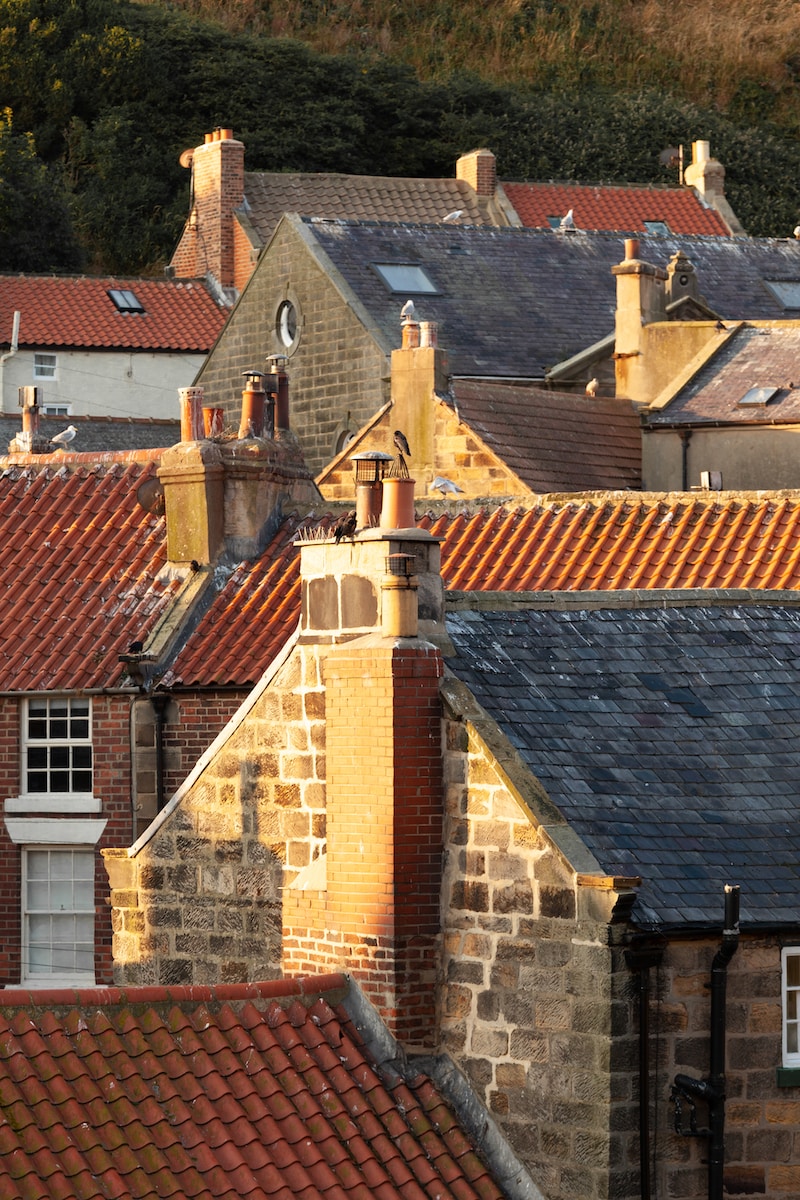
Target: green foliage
35	225
111	93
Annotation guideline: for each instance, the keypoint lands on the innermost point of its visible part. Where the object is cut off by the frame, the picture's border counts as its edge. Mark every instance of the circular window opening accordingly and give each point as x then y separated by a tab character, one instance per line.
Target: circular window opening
286	324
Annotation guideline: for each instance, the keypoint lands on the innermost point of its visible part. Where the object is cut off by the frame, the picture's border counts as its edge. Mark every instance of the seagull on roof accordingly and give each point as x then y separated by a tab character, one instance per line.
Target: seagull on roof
440	484
407	311
453	216
64	438
567	223
592	386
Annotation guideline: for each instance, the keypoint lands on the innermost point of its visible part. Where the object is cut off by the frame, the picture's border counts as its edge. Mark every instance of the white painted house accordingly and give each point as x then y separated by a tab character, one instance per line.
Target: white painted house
104	346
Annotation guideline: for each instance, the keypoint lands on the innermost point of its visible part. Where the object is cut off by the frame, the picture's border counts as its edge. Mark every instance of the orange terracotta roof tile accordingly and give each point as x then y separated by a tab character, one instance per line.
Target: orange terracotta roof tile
613	208
79	574
598	543
335	1128
70	311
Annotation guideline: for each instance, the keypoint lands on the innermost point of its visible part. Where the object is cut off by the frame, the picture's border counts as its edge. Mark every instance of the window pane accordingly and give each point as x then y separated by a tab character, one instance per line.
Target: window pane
82	757
37	782
793	970
791	1006
38	864
37	758
60	936
791	1039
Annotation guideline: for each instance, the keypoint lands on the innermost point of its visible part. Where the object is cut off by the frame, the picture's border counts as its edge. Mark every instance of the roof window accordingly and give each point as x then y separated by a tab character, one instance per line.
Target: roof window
785	291
758	395
659	228
125	300
405	277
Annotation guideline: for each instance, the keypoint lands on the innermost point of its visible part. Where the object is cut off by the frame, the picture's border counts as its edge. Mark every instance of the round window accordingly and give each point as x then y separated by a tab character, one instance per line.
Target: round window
286	324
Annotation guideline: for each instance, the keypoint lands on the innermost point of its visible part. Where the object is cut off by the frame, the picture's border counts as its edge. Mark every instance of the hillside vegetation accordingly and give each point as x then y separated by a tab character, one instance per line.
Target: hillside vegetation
739	56
103	95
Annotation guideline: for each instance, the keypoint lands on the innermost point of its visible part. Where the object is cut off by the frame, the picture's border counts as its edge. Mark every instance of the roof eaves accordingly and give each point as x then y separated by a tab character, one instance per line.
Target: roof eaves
569	367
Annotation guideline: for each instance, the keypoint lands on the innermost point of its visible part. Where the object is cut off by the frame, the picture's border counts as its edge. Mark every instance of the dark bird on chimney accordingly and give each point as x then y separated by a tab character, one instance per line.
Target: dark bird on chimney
401	442
345	527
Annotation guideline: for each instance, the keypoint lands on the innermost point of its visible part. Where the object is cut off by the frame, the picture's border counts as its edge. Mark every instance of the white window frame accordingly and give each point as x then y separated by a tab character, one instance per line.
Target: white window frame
56	408
790	1006
77	800
45	365
64	975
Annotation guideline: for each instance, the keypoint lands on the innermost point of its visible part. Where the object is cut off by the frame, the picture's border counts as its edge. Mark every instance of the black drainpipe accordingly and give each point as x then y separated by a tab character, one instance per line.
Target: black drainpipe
712	1090
686	436
643	954
160	700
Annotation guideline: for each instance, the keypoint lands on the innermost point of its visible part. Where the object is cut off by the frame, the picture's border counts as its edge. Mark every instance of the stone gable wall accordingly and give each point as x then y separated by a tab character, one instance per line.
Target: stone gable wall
337	372
201	901
533	990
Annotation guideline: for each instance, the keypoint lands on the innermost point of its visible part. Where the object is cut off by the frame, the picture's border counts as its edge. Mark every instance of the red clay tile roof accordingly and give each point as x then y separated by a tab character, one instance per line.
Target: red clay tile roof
257	1090
358	198
68	311
555	441
78	573
575	544
613	208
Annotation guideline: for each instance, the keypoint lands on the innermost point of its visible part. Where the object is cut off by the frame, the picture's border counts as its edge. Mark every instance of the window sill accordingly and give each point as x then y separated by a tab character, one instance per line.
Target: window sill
787	1077
53	983
54	802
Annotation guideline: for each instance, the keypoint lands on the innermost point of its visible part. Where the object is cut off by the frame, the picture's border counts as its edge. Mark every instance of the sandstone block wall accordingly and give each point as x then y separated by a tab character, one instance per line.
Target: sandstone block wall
337	372
201	901
536	1005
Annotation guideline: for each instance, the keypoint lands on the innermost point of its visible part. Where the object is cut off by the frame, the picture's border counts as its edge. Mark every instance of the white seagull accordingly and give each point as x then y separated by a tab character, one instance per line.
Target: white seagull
407	311
453	216
440	484
567	223
592	386
63	439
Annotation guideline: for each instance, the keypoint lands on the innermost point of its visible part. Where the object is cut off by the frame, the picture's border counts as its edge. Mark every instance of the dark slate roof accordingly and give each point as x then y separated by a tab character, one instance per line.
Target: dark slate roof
264	1090
669	738
515	302
753	356
555	441
99	433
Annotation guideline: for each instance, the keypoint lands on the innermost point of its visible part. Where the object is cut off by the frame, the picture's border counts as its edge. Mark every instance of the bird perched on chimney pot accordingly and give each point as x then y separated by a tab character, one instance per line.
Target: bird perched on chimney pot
592	387
401	442
63	439
407	311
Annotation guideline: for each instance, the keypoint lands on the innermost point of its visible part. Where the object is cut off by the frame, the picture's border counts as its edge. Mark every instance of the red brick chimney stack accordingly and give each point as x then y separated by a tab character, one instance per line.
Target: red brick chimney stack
479	170
208	242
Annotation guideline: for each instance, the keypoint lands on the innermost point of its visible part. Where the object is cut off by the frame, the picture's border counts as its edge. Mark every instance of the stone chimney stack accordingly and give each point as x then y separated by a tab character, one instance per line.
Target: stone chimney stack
419	371
372	906
208	242
707	176
640	302
479	170
222	498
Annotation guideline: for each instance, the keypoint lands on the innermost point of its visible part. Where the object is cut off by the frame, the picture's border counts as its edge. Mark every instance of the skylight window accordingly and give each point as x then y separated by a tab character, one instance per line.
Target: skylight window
785	291
125	300
659	228
405	277
758	395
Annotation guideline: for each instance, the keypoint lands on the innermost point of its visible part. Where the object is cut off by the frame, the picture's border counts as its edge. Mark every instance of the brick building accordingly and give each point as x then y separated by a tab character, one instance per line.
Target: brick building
571	781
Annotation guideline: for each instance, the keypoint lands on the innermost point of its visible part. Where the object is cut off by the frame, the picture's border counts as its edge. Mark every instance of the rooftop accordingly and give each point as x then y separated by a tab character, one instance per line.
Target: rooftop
615	208
80	311
668	738
260	1090
513	303
79	573
752	378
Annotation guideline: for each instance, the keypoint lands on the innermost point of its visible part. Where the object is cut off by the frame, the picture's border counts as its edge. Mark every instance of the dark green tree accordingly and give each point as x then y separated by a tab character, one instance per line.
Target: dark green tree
36	231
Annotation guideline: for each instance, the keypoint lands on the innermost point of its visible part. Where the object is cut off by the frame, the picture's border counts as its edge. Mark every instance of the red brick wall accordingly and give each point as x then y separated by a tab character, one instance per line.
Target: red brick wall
112	785
218	169
193	721
384	827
